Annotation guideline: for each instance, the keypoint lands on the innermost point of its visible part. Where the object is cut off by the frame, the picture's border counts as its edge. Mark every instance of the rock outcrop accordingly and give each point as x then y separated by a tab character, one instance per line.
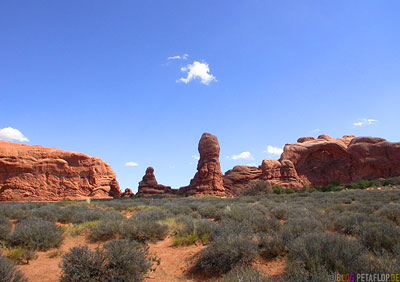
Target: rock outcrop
208	179
319	161
127	193
239	177
45	174
149	185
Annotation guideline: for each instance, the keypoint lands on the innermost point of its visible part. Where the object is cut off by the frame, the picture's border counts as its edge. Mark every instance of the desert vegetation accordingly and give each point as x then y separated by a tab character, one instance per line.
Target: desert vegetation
313	233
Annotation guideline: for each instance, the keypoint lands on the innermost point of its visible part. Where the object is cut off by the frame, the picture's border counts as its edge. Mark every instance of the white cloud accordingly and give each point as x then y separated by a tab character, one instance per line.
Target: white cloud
196	157
365	121
274	150
197	70
12	134
183	57
132	164
244	156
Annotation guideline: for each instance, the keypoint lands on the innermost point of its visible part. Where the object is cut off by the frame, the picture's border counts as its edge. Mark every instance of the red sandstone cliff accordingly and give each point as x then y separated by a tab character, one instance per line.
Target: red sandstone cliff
45	174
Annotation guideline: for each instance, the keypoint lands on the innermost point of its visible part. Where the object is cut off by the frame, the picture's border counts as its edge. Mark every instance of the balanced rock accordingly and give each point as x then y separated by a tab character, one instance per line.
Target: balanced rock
208	179
46	174
149	185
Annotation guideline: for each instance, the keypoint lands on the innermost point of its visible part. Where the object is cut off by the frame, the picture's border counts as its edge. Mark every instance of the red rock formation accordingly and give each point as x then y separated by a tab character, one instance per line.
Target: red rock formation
45	174
239	177
127	193
149	185
320	161
208	179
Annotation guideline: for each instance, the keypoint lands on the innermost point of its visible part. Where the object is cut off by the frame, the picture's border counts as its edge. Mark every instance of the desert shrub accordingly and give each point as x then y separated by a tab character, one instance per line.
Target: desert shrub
297	272
243	274
264	224
151	215
20	255
386	262
117	261
9	273
14	211
36	234
5	227
270	245
48	212
79	214
227	227
105	230
255	188
192	230
296	227
380	235
208	210
142	230
280	212
224	254
290	191
362	184
349	223
391	212
319	252
278	189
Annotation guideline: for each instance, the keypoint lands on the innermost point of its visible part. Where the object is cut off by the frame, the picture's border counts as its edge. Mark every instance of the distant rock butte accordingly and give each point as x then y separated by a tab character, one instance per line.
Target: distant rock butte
319	161
208	179
45	174
149	185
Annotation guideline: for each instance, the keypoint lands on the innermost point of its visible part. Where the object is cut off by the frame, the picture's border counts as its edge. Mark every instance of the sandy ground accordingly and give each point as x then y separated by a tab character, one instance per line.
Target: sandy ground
174	261
46	269
171	264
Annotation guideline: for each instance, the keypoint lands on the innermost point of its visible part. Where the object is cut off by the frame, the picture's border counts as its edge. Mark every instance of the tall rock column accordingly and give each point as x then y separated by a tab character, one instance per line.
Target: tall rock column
208	179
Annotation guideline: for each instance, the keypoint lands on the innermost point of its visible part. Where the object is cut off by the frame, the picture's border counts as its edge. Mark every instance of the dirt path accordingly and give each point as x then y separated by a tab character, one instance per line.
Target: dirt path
46	269
174	261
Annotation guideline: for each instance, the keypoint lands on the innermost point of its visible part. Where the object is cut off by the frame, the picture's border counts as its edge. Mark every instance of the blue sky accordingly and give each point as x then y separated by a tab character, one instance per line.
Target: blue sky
94	77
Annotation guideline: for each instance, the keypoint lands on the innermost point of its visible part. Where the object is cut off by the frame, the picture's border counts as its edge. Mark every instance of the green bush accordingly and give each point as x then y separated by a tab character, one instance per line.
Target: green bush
254	188
5	227
271	245
380	235
349	223
36	234
278	189
143	230
296	227
105	230
243	274
224	254
391	212
290	191
320	252
9	273
117	261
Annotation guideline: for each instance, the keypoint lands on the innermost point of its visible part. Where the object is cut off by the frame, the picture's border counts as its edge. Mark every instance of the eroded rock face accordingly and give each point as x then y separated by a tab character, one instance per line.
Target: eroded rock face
239	177
127	193
319	161
46	174
149	185
208	179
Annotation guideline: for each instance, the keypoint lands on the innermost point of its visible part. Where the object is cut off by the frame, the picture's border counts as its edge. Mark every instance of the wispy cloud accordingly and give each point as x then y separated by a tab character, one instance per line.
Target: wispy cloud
179	57
197	70
196	157
365	121
273	150
12	134
243	156
131	164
